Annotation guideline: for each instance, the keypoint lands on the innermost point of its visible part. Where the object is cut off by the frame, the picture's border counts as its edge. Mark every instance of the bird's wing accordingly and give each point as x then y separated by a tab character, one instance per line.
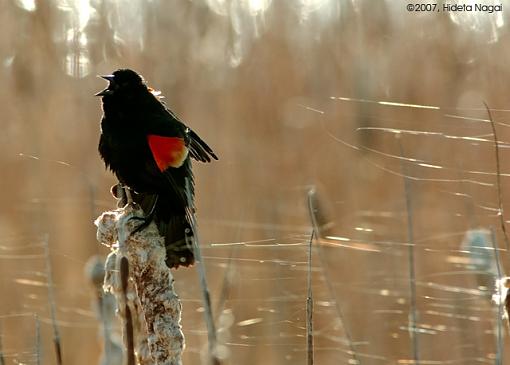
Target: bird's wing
199	150
167	151
170	141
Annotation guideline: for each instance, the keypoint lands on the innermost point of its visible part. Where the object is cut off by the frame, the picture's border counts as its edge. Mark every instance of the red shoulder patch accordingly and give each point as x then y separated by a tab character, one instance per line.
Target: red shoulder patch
167	151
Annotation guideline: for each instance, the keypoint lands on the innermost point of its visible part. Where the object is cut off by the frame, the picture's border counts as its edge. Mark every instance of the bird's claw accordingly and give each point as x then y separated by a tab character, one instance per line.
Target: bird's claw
145	223
124	196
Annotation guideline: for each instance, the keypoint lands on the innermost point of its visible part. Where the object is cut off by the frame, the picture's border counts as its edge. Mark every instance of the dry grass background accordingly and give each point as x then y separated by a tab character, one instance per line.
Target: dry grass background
255	79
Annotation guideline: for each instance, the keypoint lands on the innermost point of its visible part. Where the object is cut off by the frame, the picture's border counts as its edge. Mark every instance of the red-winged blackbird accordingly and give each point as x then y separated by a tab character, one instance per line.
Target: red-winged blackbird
149	149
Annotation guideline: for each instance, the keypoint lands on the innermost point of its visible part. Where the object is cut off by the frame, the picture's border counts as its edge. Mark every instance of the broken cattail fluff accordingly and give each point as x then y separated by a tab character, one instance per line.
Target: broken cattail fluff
153	299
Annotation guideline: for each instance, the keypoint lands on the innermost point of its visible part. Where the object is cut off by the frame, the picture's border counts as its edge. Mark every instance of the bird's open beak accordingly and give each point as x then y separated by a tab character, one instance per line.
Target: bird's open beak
107	77
106	91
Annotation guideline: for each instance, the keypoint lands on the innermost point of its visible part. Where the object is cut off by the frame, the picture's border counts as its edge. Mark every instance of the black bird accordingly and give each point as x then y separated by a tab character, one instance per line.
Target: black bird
148	148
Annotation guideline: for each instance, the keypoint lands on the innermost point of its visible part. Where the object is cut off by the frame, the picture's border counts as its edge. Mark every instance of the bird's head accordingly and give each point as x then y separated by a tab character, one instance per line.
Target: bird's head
123	84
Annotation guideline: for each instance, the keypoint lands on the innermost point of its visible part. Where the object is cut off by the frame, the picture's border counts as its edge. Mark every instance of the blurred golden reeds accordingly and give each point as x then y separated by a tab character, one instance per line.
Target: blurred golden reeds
290	94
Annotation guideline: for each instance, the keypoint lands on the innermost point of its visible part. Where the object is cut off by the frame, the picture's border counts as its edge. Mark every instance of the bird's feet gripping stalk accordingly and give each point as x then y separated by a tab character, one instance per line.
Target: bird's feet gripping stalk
125	196
148	216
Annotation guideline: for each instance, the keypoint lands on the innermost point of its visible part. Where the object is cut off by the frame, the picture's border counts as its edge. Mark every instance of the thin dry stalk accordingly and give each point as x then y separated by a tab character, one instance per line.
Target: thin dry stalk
228	279
318	222
224	317
37	340
128	323
506	284
51	300
227	284
413	317
155	296
499	330
209	319
498	178
105	308
2	359
309	306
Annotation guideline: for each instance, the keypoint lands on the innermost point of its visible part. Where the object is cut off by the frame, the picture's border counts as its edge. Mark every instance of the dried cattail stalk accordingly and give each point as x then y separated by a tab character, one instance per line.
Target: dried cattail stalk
105	305
2	359
129	335
57	341
320	222
37	341
154	298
